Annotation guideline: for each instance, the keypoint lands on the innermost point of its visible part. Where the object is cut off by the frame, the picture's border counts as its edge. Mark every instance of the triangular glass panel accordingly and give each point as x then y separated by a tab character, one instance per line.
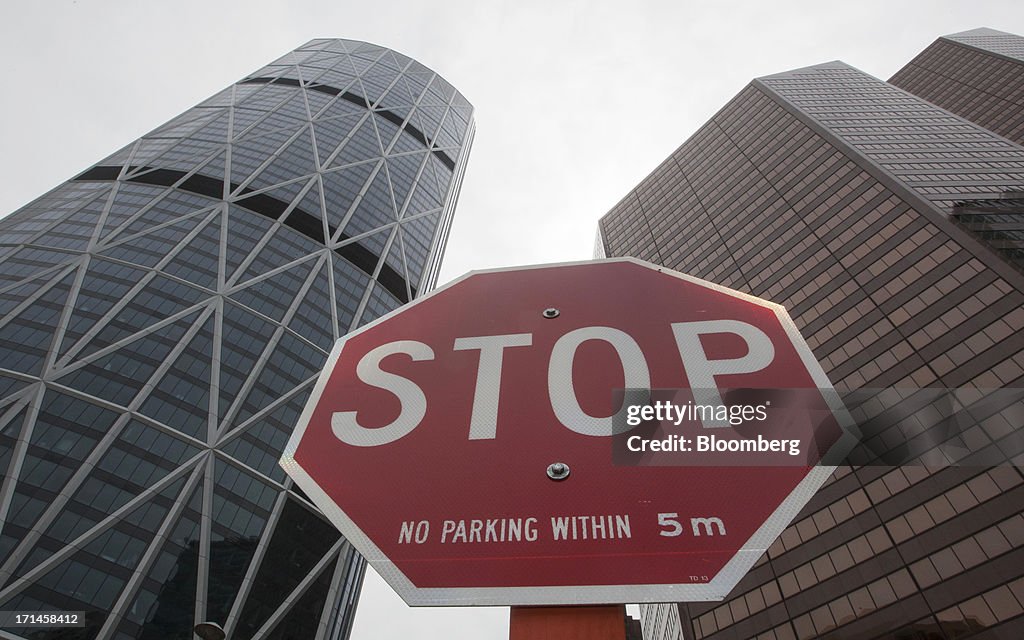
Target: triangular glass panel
188	122
243	118
6	249
419	130
380	303
33	219
219	99
245	337
295	108
214	130
317	100
294	362
397	114
66	431
19	293
407	143
418	235
301	538
376	209
402	171
118	158
148	148
341	77
249	154
76	230
176	570
104	284
350	284
124	542
460	117
431	118
361	146
361	63
271	202
242	92
270	125
215	169
418	80
285	246
181	398
273	296
330	133
402	61
376	84
293	161
308	216
173	206
73	585
301	620
150	248
410	93
425	197
160	298
392	273
322	60
9	432
245	229
198	261
365	252
342	108
386	129
438	163
128	200
341	187
9	386
393	258
439	87
261	443
27	262
139	459
445	138
190	152
242	505
389	62
312	319
119	376
27	337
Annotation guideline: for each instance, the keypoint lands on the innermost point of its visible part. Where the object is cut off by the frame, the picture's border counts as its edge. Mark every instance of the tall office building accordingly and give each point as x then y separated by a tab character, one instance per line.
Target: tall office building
976	74
163	317
837	195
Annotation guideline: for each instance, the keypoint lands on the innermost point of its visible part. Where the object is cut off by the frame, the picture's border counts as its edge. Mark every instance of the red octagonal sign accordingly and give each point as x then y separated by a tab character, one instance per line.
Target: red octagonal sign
477	448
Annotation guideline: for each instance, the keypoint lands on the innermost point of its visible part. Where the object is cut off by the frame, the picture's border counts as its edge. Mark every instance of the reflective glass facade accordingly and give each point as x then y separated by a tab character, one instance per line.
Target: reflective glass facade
834	194
163	317
976	74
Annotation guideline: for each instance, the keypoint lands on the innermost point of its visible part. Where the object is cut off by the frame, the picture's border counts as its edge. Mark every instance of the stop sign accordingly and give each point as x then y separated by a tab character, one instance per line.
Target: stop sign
497	442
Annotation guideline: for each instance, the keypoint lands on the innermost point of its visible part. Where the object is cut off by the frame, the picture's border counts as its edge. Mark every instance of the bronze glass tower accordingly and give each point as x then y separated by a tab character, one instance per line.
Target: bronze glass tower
163	317
836	194
976	74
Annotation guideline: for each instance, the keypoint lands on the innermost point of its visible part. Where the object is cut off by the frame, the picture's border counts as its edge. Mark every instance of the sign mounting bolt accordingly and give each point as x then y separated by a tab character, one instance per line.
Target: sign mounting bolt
558	471
550	312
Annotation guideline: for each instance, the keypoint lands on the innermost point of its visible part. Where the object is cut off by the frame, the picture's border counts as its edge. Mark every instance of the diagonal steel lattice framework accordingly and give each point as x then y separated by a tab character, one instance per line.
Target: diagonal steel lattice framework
163	316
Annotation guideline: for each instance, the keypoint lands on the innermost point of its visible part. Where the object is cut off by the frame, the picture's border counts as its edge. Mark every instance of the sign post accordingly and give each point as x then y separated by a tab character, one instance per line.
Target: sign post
578	434
568	623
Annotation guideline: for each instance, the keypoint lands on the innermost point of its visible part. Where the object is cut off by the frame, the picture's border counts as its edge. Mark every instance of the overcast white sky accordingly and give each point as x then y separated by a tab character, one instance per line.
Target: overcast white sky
575	103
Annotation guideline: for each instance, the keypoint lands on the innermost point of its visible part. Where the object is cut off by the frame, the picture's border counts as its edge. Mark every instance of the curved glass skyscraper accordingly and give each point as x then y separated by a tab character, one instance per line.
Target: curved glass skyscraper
163	317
